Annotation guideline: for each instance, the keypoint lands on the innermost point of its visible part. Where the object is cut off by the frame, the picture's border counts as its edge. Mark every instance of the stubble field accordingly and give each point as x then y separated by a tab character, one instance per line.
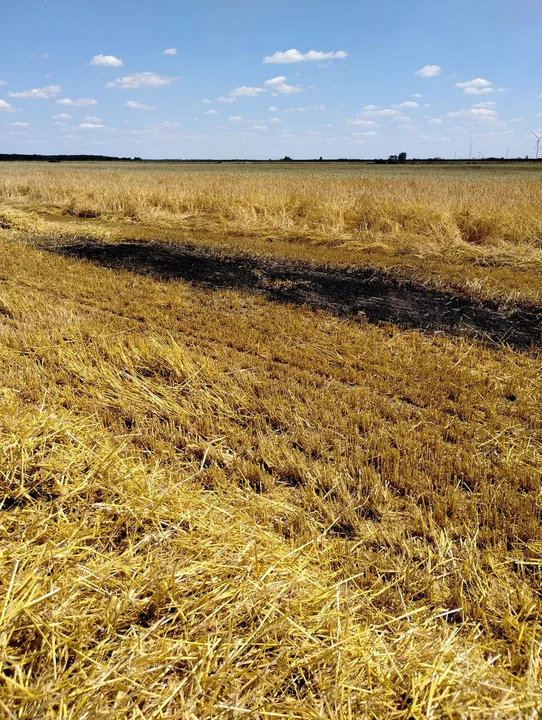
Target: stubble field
270	441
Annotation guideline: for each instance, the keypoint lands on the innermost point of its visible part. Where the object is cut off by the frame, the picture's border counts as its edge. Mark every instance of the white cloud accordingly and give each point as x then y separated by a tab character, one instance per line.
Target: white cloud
478	86
370	133
3	82
245	91
279	85
92	119
477	82
487	104
434	137
365	123
206	101
273	109
81	102
495	133
6	107
223	99
107	60
516	119
19	124
235	118
381	112
133	105
400	118
474	113
140	80
478	91
211	112
275	120
170	51
63	117
90	126
416	95
429	71
371	107
407	104
435	121
259	127
44	93
294	56
307	108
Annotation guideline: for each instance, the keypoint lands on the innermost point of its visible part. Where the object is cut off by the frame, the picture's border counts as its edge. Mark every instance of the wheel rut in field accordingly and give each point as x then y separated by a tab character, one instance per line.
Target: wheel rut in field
380	296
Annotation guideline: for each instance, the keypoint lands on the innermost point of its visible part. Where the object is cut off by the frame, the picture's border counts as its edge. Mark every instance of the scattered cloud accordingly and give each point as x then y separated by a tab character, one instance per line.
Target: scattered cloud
273	109
140	80
495	133
306	108
92	119
133	105
435	121
429	71
211	112
170	51
246	91
400	118
279	85
3	82
474	113
516	119
81	102
478	86
259	127
371	107
364	123
44	93
63	117
206	101
407	104
275	120
370	133
416	95
477	82
487	104
478	91
434	137
19	124
223	99
235	118
294	56
90	126
390	112
6	107
106	60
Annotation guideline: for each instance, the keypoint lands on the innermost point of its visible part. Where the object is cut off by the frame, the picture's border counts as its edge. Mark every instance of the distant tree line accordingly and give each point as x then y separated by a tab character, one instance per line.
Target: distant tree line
11	157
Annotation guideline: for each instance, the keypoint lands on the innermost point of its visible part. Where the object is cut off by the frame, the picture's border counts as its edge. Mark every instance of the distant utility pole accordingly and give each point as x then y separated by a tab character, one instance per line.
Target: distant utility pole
455	154
507	153
470	148
479	154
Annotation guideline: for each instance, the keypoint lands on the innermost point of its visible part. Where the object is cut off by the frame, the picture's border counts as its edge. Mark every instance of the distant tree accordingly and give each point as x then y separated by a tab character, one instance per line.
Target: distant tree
402	157
321	158
393	159
287	158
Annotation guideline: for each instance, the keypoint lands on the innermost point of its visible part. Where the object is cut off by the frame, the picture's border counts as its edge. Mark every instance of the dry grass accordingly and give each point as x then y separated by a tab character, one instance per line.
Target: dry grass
482	237
216	507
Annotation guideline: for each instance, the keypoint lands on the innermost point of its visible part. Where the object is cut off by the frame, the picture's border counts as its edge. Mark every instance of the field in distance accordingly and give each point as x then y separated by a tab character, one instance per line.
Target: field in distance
224	490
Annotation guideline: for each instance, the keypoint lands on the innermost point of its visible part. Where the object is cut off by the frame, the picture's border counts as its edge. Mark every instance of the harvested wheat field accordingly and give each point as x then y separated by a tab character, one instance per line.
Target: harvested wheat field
270	442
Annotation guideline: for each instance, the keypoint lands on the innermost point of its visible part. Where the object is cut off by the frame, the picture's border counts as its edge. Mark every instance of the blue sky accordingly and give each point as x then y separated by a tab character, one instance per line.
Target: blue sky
268	78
